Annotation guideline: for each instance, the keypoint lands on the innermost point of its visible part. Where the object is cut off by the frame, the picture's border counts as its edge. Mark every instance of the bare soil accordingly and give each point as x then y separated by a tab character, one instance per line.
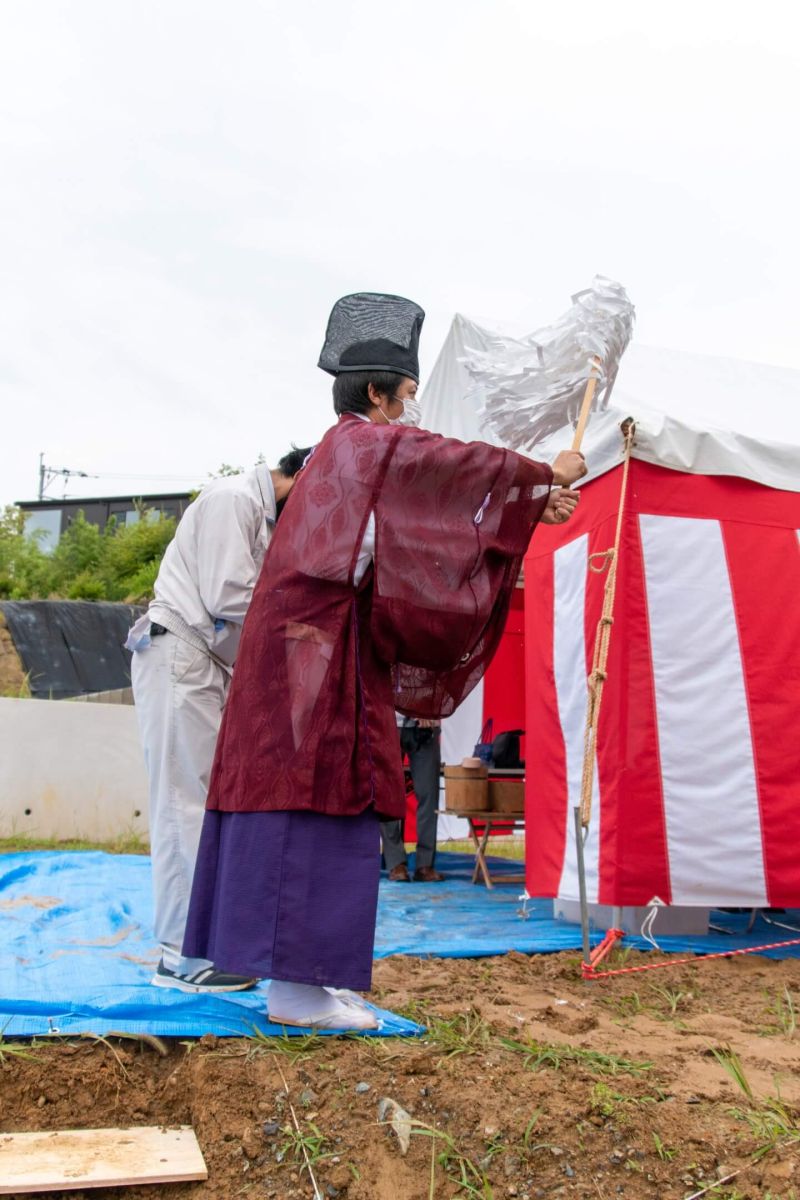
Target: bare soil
530	1083
12	673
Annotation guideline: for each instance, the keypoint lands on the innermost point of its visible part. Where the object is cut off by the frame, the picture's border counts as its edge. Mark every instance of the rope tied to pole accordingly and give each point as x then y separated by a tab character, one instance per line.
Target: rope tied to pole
609	560
607	557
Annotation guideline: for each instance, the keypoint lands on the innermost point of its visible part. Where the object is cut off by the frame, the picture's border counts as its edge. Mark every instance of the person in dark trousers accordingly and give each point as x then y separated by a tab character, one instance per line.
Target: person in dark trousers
420	741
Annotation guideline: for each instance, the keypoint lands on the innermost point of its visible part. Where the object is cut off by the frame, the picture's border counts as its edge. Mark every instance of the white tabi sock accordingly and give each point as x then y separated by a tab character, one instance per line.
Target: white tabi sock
308	1005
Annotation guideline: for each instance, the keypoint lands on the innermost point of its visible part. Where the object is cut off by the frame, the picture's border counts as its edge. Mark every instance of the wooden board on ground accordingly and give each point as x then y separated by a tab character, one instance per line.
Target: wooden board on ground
66	1159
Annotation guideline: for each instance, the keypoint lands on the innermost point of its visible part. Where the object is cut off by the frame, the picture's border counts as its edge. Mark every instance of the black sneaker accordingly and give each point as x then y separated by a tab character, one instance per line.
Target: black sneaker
207	979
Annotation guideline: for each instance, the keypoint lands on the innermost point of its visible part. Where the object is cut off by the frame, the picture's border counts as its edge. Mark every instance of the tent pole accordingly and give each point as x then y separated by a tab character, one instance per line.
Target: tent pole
587	953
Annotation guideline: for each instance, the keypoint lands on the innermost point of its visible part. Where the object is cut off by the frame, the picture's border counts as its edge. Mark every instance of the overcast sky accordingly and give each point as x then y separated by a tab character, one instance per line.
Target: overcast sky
188	185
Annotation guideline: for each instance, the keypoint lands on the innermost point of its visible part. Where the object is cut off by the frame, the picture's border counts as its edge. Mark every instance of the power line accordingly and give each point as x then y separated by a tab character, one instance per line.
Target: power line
135	475
48	474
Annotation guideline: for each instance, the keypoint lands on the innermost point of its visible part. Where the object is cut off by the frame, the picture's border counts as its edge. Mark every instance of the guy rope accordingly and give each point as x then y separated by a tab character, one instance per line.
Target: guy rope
605	560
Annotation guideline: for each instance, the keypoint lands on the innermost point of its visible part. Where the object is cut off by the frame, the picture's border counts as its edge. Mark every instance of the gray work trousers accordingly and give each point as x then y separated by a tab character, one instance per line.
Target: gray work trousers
424	758
180	694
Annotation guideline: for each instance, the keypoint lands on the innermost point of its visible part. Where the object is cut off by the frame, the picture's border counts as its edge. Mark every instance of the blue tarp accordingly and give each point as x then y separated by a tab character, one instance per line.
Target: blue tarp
460	920
77	951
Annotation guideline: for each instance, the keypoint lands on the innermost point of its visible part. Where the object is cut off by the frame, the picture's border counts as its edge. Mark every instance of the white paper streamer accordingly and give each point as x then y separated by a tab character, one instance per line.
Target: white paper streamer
534	386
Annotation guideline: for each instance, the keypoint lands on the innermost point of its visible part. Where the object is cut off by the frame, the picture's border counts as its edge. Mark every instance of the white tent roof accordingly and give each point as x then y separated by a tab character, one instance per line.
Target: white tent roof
708	416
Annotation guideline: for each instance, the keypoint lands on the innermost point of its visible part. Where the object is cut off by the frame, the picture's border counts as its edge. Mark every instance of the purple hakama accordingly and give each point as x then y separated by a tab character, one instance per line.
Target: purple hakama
287	895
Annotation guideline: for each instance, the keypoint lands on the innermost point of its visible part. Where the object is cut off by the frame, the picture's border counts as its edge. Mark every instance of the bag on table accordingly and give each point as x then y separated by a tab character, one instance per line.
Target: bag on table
505	750
483	747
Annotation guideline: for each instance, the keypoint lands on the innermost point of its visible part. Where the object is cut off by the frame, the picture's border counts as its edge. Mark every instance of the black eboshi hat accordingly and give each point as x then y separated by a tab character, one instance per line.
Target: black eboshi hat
370	331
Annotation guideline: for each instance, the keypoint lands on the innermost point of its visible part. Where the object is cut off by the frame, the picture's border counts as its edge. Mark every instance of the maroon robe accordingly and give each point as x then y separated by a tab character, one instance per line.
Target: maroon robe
322	665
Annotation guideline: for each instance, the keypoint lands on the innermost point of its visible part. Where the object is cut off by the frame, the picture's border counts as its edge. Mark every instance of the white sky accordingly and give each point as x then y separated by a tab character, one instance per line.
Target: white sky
187	187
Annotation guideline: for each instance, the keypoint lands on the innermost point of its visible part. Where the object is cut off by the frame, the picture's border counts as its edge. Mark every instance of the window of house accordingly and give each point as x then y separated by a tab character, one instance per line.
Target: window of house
44	524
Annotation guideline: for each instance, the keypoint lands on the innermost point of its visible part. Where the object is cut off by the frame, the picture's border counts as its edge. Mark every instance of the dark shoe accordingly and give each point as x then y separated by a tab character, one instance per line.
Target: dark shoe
399	874
427	875
208	979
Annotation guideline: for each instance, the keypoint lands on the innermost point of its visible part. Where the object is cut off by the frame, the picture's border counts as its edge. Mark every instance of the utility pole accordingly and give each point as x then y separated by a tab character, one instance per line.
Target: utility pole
48	474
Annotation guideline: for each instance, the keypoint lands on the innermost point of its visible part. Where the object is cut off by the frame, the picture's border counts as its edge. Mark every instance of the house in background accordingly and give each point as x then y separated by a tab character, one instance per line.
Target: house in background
52	517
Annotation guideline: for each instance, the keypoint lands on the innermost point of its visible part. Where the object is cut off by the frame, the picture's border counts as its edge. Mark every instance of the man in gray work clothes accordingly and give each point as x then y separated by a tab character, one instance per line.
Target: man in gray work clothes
420	740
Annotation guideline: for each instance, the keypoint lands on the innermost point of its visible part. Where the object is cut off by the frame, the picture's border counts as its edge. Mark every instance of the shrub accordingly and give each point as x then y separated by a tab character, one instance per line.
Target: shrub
118	563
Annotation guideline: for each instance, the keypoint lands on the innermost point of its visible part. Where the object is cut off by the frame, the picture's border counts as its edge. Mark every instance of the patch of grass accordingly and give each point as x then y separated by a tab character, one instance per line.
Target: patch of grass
305	1144
605	1101
672	998
618	957
524	1148
555	1055
783	1009
660	1002
418	1011
626	1006
465	1033
499	847
10	1050
729	1060
18	691
773	1124
293	1049
610	1103
128	843
461	1171
527	1144
102	1041
665	1153
717	1190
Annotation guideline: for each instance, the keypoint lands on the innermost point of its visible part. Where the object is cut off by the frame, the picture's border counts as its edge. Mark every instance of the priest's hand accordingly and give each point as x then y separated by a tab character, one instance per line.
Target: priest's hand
560	506
569	466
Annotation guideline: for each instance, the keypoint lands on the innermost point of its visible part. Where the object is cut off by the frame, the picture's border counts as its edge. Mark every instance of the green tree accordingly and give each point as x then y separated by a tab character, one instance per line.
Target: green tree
25	569
118	563
76	560
225	469
132	555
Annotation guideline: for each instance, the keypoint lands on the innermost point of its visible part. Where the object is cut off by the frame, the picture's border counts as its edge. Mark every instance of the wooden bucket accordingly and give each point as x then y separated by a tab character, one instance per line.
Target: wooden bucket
507	796
466	789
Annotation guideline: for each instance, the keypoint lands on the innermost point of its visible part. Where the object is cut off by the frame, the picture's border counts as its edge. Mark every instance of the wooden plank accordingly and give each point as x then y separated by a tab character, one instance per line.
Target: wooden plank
67	1159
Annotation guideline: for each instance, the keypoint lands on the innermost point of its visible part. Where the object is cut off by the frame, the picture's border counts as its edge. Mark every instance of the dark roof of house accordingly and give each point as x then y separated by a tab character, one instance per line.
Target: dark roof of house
55	502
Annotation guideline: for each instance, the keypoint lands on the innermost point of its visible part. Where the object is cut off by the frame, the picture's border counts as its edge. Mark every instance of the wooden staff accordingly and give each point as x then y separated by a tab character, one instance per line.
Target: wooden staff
586	406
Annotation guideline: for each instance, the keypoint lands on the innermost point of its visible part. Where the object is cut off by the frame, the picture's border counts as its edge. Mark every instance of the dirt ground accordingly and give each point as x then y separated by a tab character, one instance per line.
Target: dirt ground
12	673
530	1083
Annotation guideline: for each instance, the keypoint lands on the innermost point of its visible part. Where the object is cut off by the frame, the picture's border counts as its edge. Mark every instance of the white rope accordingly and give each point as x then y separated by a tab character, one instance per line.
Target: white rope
649	921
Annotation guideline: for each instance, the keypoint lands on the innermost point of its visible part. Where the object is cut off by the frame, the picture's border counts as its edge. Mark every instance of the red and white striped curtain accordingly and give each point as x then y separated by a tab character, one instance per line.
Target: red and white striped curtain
697	784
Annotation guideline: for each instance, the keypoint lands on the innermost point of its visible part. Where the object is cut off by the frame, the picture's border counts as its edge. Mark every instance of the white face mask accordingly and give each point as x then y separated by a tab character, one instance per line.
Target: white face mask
411	413
391	420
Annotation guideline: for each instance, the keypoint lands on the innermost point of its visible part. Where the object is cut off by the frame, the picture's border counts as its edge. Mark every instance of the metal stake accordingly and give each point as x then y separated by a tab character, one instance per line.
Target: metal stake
587	953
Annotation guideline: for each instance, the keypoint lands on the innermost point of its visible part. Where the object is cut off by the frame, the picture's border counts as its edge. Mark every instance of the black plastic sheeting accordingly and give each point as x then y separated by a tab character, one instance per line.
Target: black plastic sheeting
71	647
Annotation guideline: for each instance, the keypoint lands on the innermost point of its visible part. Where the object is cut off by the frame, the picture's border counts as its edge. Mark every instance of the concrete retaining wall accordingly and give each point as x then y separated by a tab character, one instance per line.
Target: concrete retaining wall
71	771
117	696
